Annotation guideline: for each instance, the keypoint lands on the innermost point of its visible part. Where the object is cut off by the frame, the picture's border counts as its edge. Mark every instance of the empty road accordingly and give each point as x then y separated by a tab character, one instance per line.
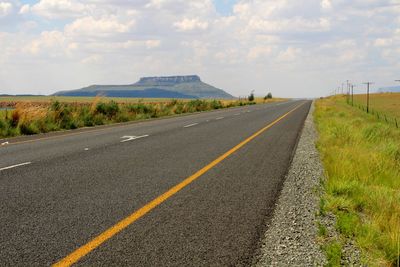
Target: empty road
194	190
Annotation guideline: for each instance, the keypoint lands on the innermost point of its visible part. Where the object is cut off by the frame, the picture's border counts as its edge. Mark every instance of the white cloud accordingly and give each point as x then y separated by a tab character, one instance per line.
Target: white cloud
25	9
58	9
45	43
92	59
326	4
259	43
101	27
258	52
5	9
190	25
381	42
290	54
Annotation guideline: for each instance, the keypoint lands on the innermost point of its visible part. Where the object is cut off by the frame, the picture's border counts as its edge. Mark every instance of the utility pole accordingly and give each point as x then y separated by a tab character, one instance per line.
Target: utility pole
347	91
368	84
342	88
352	94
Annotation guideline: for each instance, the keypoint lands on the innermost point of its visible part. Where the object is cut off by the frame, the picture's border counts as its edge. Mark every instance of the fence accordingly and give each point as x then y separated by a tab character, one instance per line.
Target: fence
379	115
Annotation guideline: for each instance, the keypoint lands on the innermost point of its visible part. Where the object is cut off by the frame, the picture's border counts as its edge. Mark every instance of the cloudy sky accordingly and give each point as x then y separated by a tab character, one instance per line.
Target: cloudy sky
296	48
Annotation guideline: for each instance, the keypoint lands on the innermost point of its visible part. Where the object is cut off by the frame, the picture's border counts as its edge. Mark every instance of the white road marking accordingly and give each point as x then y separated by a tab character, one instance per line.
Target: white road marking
237	114
190	125
86	149
130	138
5	143
14	166
219	118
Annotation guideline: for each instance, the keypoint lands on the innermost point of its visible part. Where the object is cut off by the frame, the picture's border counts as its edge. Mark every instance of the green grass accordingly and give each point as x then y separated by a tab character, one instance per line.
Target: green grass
361	156
333	252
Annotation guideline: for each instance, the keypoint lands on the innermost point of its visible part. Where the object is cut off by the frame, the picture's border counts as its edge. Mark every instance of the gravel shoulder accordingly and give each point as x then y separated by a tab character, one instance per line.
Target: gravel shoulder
291	238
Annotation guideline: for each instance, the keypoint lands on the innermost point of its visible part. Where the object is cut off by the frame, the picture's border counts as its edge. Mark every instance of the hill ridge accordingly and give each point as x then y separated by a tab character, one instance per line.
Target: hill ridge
181	86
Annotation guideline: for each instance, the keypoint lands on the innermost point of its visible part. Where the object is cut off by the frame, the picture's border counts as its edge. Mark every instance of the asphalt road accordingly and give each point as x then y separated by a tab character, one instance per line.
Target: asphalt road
60	191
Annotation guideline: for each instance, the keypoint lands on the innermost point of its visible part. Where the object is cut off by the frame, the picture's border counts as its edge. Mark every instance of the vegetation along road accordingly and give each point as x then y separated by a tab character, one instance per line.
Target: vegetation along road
191	190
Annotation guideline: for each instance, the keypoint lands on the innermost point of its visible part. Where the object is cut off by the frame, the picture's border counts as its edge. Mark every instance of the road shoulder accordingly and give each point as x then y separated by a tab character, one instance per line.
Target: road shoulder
291	238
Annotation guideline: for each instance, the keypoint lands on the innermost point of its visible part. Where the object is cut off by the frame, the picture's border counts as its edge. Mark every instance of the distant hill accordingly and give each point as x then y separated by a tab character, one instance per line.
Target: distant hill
392	89
154	87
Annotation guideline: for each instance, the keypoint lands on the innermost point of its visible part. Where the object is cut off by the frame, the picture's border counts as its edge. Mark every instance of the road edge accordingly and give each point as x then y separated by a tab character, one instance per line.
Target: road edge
63	132
291	235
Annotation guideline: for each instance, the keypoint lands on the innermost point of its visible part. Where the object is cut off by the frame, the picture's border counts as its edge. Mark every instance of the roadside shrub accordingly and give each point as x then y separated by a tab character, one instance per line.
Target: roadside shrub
109	109
15	116
122	117
179	108
99	119
216	104
55	105
251	97
197	105
140	108
28	128
172	103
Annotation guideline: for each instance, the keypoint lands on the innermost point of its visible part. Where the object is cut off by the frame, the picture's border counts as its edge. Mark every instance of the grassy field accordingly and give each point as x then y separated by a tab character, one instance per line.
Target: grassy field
89	100
79	99
361	156
46	115
388	102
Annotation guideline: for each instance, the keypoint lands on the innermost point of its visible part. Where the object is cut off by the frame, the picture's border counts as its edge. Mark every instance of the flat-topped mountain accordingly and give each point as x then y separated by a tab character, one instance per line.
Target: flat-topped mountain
189	86
169	80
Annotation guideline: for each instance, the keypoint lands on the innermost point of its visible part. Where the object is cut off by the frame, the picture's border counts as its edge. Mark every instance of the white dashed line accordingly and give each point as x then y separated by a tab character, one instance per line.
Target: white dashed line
14	166
237	114
86	149
130	138
219	118
190	125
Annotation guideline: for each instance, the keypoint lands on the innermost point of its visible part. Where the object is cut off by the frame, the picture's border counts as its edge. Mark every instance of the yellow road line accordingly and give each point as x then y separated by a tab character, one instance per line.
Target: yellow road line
121	225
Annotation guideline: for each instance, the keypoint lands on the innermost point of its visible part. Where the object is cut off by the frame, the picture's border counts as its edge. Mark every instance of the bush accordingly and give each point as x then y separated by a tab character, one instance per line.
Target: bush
15	116
55	105
251	97
28	128
216	104
268	96
140	108
109	109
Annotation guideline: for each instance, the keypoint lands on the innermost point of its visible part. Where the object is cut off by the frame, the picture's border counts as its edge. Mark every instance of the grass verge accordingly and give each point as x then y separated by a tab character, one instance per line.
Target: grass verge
361	156
31	118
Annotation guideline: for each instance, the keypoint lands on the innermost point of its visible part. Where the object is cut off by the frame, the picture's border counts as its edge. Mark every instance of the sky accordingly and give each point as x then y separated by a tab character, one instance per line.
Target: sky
292	48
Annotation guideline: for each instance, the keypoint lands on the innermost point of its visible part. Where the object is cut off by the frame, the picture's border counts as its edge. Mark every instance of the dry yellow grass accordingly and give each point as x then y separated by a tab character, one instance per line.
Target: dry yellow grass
29	112
388	103
77	99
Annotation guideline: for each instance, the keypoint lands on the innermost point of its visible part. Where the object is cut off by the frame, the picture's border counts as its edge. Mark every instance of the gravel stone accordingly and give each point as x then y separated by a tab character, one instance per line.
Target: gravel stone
291	238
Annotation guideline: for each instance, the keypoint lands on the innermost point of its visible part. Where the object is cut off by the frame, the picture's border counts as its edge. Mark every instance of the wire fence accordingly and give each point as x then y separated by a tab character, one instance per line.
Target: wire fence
378	114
